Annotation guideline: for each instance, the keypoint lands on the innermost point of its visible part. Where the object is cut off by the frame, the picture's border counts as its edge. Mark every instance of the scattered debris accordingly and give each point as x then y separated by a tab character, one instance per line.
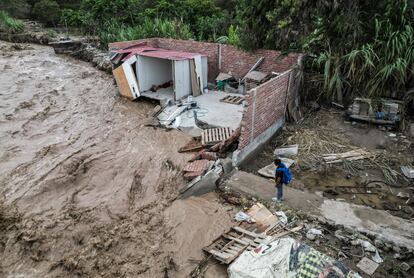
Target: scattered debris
227	144
365	244
287	257
408	171
313	233
258	63
367	266
222	80
263	217
255	78
196	168
282	217
287	151
348	156
377	111
232	244
405	267
241	216
193	146
215	135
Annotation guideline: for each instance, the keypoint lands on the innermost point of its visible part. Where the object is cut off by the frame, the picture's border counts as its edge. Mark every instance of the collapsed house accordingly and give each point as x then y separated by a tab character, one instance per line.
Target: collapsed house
208	86
159	74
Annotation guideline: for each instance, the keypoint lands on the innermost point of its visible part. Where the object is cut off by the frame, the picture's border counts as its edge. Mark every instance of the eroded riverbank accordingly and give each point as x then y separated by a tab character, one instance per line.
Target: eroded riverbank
87	189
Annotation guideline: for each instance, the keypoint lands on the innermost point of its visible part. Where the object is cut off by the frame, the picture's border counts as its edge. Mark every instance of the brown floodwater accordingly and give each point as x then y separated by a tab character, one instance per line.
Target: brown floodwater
93	186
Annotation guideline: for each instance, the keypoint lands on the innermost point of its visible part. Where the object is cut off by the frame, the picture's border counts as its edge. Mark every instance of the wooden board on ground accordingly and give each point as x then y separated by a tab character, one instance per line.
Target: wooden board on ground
264	218
368	266
348	156
193	146
233	243
194	80
215	135
233	99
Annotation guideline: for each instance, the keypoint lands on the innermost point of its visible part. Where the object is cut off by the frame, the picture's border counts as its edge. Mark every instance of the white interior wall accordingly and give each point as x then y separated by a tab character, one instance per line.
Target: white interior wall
182	79
153	71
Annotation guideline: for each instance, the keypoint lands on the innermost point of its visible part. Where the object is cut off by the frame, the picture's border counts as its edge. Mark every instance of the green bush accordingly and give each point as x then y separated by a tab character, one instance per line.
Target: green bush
10	24
47	11
157	27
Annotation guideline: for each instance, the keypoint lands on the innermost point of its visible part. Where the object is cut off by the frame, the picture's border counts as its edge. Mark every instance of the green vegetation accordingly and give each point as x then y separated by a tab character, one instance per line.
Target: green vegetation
47	11
147	29
10	24
352	47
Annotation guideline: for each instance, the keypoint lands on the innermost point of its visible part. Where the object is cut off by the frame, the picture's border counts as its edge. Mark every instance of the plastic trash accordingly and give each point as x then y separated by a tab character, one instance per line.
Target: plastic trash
287	151
241	216
282	217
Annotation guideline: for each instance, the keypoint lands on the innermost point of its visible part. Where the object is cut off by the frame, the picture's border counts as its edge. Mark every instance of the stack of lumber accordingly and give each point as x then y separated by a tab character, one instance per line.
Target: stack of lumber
353	155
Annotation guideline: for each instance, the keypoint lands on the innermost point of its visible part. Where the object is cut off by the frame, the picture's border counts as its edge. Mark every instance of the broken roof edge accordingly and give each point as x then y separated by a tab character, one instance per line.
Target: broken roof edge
154	42
271	79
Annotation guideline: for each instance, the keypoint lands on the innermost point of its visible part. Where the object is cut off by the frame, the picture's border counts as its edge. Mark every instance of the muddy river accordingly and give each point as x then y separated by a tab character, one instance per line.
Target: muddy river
86	189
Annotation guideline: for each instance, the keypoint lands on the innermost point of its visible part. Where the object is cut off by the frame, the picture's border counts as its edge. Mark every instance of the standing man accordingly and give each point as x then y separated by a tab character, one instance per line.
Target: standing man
282	177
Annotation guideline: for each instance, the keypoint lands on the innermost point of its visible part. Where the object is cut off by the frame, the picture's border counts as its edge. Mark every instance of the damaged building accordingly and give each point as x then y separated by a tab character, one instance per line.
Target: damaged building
208	86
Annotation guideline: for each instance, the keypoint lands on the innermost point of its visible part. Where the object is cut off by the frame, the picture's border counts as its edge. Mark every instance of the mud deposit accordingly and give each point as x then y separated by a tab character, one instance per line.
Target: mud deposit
86	189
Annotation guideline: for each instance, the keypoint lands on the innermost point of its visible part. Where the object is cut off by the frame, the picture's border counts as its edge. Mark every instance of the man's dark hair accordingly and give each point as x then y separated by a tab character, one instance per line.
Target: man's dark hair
277	161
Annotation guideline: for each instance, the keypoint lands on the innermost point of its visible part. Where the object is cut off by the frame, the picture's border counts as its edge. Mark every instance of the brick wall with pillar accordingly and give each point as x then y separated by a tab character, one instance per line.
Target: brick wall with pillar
264	112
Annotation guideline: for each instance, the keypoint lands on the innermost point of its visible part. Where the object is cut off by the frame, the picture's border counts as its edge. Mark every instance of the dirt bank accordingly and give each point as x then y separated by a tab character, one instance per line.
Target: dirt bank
89	187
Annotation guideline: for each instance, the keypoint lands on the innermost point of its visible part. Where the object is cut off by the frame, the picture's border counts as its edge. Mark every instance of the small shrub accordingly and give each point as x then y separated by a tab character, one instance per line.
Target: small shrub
9	24
52	33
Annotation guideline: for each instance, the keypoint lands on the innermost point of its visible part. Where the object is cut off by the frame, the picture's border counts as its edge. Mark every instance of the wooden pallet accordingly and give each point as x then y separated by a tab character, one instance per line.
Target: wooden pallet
233	99
230	245
215	135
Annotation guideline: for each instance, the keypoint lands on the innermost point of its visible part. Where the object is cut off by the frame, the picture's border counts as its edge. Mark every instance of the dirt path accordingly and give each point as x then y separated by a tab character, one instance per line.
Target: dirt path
87	189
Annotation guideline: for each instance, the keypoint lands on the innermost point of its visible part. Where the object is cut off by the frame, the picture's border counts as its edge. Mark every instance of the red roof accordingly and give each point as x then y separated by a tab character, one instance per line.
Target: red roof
157	53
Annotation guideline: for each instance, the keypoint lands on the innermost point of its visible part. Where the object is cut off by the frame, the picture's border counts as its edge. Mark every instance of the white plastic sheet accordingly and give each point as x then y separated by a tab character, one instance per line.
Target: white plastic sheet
287	151
287	257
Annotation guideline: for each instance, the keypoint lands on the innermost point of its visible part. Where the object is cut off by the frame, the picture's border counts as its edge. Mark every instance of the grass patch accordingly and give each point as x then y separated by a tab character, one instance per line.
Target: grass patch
9	24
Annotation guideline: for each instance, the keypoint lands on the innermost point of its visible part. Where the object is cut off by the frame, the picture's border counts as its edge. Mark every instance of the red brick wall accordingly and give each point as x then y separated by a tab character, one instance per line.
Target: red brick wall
265	105
233	60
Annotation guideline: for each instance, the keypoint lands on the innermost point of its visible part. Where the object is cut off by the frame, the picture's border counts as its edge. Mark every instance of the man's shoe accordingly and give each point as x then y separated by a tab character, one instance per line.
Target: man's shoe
276	200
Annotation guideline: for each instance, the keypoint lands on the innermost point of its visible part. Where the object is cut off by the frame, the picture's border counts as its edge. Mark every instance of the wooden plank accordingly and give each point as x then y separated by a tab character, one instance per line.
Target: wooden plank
254	235
194	81
122	83
222	255
228	250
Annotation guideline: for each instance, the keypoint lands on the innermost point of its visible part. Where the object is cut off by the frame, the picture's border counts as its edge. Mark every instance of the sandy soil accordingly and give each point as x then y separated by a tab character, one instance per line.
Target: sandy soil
86	189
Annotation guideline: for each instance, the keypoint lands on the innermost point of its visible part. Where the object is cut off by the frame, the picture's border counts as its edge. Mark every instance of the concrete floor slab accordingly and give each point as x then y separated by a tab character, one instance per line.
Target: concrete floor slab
162	94
379	223
210	110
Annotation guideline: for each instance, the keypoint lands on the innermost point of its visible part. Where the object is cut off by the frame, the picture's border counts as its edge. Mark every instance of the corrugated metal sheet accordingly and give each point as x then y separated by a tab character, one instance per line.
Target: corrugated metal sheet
158	53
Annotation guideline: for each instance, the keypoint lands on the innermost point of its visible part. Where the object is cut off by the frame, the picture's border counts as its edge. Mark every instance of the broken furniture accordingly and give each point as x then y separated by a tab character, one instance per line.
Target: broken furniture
160	74
377	111
232	244
233	99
